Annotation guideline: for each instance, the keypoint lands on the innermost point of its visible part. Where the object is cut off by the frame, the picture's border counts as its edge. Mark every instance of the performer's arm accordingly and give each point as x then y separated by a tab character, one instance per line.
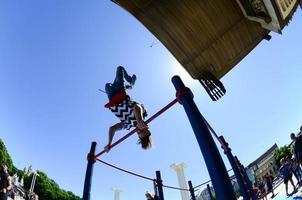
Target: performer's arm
138	111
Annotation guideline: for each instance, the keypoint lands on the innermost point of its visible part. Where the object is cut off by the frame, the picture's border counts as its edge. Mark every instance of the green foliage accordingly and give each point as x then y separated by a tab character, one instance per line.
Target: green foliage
20	173
48	189
282	152
5	157
53	192
45	187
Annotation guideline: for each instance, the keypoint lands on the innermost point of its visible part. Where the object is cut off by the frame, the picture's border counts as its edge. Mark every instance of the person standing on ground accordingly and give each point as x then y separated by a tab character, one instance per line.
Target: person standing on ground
297	147
286	174
295	168
269	185
5	181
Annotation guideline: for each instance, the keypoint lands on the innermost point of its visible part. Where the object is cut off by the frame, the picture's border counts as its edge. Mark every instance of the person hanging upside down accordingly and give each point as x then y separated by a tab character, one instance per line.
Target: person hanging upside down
130	112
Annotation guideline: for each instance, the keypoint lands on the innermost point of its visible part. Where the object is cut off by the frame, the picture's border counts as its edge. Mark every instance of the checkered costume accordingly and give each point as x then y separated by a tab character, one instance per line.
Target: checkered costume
125	112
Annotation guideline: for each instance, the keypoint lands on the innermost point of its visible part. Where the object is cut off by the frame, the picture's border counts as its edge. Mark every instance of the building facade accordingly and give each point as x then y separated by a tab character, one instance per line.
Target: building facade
264	165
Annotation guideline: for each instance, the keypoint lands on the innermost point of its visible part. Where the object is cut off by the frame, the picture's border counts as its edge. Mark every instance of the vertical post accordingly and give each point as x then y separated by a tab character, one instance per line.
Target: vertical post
117	193
246	179
192	192
89	170
243	190
179	168
33	182
210	192
216	168
249	184
159	186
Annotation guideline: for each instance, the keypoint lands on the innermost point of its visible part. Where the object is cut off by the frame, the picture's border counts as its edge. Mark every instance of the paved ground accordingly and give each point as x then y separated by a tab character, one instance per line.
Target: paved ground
280	193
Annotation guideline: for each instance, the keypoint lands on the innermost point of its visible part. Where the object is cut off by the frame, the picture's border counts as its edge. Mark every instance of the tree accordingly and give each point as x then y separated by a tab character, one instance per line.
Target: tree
282	152
5	157
45	187
48	189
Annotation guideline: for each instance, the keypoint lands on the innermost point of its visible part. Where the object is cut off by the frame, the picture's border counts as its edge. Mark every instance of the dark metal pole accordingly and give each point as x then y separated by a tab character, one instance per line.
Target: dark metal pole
159	186
192	192
228	153
216	168
242	173
89	171
248	183
210	192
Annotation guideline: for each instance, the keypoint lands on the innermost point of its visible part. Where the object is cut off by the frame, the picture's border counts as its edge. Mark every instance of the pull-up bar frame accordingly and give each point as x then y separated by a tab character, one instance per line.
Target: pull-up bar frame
214	163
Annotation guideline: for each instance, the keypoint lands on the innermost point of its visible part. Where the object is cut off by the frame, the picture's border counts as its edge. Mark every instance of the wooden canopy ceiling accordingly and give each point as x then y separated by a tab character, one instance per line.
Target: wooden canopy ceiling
203	35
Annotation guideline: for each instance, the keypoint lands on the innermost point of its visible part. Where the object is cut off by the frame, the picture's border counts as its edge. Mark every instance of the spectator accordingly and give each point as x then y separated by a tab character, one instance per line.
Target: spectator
5	182
12	194
286	174
295	168
297	146
256	189
262	191
269	185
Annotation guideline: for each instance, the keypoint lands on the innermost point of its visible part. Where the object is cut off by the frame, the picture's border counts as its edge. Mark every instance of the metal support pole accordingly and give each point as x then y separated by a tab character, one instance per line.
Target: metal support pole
242	172
216	168
210	192
246	179
249	184
159	186
33	182
228	152
89	170
192	192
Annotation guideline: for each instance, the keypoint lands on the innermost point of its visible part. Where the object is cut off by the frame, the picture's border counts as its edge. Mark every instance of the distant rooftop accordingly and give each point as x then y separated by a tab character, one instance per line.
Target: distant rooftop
259	159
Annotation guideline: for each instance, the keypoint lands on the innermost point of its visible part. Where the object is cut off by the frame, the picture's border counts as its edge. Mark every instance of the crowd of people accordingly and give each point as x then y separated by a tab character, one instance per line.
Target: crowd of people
290	166
264	187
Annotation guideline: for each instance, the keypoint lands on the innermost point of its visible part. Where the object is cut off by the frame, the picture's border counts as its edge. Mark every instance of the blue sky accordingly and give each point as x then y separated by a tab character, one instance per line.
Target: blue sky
54	55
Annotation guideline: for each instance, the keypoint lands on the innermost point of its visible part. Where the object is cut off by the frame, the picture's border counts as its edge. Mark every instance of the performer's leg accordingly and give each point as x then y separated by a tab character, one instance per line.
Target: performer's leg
118	83
109	90
122	74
